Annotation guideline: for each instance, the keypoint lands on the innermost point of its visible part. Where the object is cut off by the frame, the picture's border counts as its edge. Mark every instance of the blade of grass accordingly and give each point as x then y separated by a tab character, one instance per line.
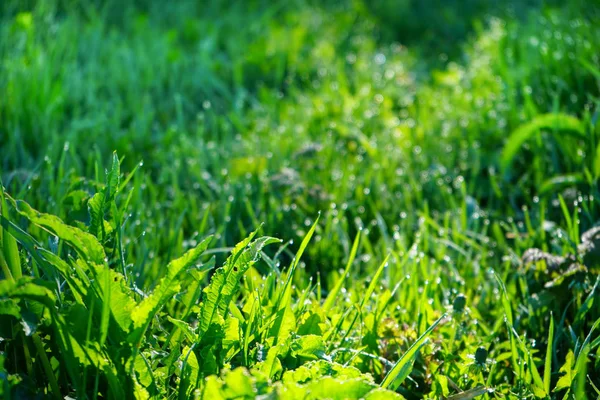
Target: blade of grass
338	286
402	368
548	363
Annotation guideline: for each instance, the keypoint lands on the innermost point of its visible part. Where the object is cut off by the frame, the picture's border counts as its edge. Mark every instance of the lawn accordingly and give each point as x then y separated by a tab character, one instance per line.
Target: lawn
297	199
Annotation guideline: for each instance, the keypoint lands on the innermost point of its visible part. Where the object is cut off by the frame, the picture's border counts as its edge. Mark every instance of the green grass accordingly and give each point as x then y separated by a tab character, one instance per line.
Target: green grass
299	199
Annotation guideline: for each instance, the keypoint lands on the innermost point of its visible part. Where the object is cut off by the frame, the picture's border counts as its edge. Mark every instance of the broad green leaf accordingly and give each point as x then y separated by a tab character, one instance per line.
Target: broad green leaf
211	389
101	201
112	179
139	392
143	371
581	367
538	383
271	366
26	240
311	324
96	206
284	325
48	260
309	347
338	389
318	369
403	367
441	385
28	288
189	373
78	286
166	288
232	333
470	394
224	283
568	374
9	252
238	384
10	307
88	354
116	295
556	122
87	245
323	379
187	330
382	394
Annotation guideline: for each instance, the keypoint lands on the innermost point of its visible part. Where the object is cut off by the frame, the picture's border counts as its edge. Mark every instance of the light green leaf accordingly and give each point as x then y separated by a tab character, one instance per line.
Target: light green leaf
116	295
338	389
383	394
9	252
272	365
238	385
88	354
112	179
28	288
10	307
232	333
166	288
323	379
310	347
87	245
184	327
100	202
317	369
284	325
96	211
566	380
441	385
139	392
77	285
556	122
403	367
189	373
225	281
470	394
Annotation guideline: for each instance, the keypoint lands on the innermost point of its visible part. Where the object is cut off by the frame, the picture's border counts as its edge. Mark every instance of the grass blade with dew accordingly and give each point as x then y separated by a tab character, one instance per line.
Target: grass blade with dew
403	367
338	286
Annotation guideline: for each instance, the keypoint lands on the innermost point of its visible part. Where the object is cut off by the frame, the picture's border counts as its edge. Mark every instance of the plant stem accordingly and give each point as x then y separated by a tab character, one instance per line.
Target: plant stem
47	367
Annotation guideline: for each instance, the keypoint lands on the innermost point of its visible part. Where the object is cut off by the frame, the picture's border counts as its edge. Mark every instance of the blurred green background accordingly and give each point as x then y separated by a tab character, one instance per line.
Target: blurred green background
249	112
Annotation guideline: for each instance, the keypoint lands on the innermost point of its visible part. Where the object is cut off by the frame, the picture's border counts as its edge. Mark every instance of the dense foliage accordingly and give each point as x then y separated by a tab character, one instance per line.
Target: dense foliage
411	186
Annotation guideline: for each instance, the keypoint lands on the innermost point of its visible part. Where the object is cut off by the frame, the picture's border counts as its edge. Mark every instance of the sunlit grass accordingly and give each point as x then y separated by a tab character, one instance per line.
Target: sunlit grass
435	214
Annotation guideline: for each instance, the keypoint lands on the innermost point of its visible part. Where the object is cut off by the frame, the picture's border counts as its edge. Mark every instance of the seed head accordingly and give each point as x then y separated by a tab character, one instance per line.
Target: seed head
481	355
459	303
